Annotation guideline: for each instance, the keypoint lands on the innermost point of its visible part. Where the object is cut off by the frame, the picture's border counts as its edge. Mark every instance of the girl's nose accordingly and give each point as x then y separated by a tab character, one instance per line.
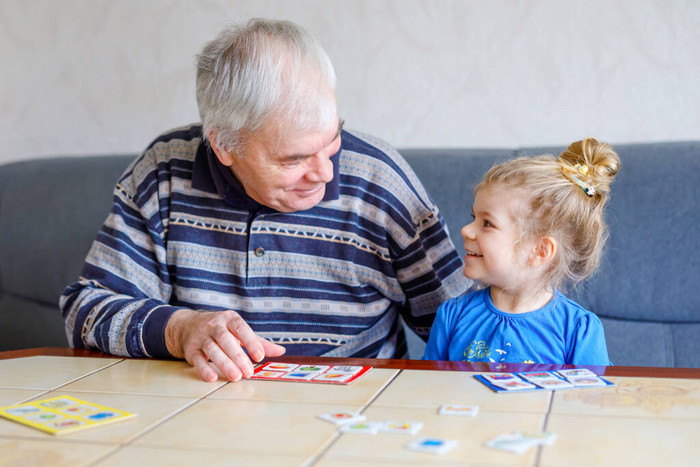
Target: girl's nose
467	231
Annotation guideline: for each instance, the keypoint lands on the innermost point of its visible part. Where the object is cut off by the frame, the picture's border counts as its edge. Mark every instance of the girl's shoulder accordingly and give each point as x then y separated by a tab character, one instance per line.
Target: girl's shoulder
574	311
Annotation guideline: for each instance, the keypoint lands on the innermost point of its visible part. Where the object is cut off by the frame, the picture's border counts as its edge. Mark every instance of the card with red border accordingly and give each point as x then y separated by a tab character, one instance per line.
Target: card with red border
309	373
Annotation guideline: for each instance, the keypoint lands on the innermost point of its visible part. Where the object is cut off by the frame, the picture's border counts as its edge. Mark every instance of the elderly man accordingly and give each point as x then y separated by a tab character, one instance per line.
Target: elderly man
267	227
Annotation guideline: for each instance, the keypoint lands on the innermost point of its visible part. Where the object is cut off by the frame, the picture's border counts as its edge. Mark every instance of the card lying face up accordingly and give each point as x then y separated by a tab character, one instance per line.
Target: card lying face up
62	415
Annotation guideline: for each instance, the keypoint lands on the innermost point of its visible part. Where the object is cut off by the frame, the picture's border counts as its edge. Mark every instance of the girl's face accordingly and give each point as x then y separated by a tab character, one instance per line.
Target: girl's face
490	239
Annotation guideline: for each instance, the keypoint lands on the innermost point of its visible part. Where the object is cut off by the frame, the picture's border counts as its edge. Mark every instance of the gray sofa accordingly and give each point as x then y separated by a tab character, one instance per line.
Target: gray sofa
647	291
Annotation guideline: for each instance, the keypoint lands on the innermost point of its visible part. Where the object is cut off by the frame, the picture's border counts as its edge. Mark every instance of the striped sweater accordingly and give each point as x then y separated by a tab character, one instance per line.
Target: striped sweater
332	280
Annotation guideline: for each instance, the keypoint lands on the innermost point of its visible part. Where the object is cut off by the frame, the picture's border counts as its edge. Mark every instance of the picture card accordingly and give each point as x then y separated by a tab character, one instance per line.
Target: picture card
369	428
554	384
576	373
63	414
520	441
514	385
342	418
461	410
276	366
535	376
515	443
329	374
403	428
500	377
433	445
544	438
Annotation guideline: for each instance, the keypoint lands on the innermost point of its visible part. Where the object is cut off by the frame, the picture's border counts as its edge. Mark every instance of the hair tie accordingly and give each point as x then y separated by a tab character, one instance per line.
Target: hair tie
583	171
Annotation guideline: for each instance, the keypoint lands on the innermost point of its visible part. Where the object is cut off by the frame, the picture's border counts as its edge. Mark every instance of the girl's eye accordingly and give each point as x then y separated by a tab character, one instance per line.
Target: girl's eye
487	224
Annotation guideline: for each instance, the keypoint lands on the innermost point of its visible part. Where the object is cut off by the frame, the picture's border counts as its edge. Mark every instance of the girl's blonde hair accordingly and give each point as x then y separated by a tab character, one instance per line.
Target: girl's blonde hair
567	196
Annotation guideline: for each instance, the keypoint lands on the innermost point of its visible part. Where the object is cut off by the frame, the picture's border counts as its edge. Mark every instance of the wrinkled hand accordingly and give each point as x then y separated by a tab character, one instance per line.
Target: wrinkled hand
219	337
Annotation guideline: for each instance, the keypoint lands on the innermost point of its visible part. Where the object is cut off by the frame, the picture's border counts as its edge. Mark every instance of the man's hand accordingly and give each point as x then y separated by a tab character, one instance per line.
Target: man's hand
219	337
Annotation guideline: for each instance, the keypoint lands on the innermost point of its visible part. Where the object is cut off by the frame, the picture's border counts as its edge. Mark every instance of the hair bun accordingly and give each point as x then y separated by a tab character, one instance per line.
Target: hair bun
595	163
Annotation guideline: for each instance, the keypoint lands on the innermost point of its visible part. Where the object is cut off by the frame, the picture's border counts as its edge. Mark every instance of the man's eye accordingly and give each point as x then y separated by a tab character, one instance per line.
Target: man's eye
293	162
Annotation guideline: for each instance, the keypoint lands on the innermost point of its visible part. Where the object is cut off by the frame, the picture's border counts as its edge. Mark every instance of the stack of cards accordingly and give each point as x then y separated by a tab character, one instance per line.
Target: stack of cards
520	442
337	374
538	380
62	415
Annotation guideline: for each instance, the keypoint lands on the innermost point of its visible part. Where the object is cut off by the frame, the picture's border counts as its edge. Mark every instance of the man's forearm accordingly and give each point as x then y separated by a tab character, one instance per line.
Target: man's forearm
98	318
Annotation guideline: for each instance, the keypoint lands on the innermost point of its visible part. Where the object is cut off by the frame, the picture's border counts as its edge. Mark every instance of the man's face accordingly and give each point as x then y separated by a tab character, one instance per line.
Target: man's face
286	170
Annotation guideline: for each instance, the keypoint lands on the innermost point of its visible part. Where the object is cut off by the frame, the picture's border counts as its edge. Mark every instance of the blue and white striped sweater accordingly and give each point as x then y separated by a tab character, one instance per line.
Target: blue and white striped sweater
332	280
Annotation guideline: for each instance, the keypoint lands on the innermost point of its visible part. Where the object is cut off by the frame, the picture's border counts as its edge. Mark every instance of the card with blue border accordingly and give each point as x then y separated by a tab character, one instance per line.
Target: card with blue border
573	378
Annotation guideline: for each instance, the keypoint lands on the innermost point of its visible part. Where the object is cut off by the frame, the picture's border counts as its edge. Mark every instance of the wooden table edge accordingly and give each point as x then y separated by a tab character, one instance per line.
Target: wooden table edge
401	364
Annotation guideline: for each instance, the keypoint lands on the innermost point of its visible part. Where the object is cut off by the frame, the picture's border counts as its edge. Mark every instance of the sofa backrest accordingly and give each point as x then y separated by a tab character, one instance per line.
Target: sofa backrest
647	290
50	212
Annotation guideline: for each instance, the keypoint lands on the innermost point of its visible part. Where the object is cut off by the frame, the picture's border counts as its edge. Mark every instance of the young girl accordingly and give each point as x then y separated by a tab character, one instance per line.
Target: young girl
538	226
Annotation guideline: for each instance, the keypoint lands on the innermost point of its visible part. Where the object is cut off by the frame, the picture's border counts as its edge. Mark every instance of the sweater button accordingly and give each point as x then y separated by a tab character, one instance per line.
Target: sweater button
260	252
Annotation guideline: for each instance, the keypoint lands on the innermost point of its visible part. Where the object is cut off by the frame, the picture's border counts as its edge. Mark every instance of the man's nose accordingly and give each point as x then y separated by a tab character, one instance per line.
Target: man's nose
322	170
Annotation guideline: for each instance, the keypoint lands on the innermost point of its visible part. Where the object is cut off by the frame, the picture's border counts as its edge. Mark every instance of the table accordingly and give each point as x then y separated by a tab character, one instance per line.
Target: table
651	416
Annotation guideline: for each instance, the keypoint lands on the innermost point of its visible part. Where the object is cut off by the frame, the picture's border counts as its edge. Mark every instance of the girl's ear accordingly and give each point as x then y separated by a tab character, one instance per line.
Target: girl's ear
225	157
544	251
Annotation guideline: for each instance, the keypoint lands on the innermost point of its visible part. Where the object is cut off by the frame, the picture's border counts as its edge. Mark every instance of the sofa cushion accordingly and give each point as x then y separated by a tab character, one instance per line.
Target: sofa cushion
27	323
51	211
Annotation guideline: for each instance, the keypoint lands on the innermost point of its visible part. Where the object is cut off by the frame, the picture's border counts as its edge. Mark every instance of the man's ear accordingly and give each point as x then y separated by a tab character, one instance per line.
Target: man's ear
544	250
225	157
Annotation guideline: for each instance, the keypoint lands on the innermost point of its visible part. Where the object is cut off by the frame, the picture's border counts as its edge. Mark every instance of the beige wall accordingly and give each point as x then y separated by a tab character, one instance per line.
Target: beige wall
81	77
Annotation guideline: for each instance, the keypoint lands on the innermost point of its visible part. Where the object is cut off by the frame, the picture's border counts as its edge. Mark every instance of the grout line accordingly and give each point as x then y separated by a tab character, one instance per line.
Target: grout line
129	441
167	417
105	456
545	422
317	457
56	388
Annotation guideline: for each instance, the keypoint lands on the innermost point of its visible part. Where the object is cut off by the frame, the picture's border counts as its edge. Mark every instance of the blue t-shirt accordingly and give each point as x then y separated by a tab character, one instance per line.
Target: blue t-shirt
470	328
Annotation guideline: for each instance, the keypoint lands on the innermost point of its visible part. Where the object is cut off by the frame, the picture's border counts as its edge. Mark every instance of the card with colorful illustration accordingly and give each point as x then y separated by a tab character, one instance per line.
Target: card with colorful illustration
402	428
461	410
500	377
342	418
330	374
62	415
535	376
367	428
576	373
515	385
542	380
432	445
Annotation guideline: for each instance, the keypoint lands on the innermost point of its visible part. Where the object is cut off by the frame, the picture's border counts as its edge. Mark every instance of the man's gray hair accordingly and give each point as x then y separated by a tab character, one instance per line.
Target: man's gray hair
265	69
